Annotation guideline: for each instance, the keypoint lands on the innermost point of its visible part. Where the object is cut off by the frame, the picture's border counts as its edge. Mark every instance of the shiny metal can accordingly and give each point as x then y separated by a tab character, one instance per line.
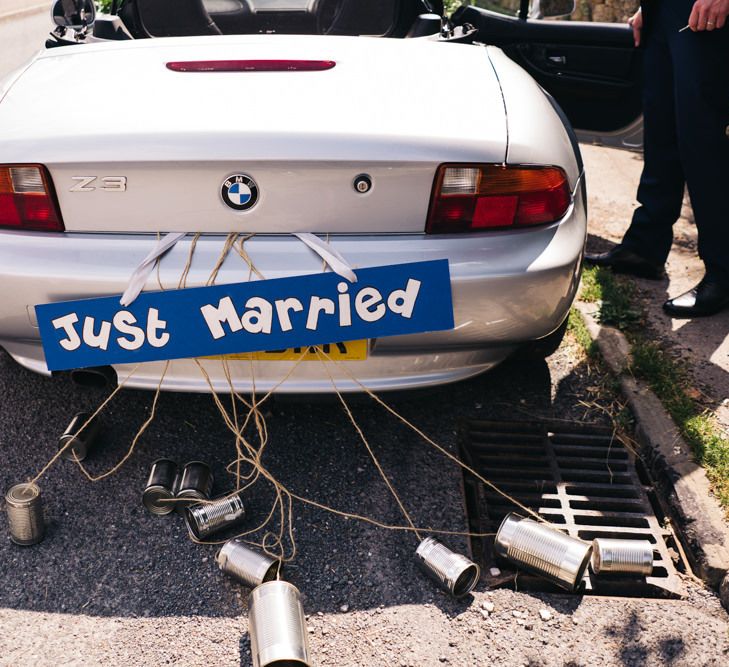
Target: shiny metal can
624	556
75	442
25	514
208	518
159	494
544	550
453	572
277	626
196	483
248	566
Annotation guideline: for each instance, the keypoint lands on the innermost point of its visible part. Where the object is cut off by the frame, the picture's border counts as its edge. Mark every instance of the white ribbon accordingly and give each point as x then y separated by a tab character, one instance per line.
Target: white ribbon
139	278
329	254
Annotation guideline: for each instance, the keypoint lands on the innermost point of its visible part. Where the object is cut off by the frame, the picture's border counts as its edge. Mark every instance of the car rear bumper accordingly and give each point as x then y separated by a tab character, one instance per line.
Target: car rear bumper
508	288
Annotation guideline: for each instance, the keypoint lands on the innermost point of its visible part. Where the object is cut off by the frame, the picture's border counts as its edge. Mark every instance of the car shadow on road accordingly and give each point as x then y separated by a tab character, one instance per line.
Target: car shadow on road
105	555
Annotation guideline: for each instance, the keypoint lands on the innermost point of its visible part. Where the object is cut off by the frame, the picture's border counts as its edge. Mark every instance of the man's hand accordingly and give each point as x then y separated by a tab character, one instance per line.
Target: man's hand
708	15
636	22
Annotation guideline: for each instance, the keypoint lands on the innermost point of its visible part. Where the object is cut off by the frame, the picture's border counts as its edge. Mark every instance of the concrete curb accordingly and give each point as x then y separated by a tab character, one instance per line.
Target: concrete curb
699	519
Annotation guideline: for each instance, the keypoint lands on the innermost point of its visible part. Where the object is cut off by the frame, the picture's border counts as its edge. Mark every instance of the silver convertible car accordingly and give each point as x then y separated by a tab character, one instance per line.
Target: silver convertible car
390	132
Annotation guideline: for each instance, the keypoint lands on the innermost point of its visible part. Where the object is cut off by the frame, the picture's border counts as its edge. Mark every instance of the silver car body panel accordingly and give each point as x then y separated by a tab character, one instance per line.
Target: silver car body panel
303	136
509	287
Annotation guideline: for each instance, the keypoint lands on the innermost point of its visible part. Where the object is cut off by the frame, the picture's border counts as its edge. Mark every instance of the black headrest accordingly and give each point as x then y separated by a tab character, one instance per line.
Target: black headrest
175	18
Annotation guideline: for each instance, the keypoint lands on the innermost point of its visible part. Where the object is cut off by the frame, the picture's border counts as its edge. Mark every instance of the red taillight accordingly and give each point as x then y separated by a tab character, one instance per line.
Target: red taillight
27	200
469	198
251	65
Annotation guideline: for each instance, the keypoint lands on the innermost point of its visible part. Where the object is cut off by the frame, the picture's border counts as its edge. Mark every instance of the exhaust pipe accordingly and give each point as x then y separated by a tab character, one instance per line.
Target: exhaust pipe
95	377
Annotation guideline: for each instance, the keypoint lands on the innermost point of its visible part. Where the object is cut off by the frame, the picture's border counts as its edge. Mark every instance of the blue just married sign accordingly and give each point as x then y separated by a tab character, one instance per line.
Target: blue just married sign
247	317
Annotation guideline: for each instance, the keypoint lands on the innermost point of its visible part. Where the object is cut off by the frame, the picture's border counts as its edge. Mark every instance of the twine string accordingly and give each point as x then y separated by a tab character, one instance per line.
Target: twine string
434	444
71	440
229	243
250	453
367	445
135	440
240	249
182	283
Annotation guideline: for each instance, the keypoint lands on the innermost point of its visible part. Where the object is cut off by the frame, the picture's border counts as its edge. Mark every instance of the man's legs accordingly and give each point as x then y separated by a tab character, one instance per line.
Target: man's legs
660	192
701	73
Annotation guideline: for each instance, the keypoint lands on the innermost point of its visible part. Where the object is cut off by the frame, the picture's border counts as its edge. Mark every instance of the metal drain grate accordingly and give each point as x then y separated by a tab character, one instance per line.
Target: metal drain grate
576	476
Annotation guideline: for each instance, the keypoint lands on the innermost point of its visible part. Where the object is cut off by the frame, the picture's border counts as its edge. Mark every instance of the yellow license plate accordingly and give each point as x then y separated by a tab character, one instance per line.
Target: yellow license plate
353	350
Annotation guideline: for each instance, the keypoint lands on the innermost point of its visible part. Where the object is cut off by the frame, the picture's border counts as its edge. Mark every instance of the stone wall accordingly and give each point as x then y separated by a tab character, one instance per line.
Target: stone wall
609	11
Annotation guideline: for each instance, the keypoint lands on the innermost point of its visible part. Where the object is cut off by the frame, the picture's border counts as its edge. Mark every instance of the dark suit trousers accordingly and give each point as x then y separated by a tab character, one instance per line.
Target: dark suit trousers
686	111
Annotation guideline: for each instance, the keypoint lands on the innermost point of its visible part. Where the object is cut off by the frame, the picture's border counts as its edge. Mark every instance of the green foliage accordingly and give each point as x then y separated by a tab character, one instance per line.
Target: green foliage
616	296
669	380
451	5
666	377
576	327
103	6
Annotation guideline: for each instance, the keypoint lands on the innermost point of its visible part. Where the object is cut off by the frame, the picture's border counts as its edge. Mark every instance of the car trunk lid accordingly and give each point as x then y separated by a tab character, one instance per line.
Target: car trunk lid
133	146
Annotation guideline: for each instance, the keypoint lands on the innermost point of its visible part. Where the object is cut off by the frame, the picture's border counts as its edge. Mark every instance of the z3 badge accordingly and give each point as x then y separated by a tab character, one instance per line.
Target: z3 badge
90	183
239	192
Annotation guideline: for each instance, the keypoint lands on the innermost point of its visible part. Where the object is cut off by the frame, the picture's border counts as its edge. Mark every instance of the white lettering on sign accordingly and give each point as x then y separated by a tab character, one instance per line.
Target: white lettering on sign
402	301
123	322
345	307
283	306
258	317
100	340
225	312
154	324
365	300
316	306
73	340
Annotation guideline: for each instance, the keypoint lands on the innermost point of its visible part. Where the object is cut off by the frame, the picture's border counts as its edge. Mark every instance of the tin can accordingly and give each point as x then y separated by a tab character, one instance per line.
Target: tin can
25	514
196	483
543	550
453	572
208	518
159	494
277	626
80	442
251	568
625	556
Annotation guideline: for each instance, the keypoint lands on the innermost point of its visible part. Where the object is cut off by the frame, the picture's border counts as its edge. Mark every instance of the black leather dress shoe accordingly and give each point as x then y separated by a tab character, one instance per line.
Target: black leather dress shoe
707	298
622	260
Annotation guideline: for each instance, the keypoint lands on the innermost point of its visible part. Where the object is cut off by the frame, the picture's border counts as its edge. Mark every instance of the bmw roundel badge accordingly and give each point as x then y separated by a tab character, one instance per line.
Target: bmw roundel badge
240	192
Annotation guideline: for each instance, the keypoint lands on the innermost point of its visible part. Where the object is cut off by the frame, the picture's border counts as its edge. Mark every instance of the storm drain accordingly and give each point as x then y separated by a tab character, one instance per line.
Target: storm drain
578	477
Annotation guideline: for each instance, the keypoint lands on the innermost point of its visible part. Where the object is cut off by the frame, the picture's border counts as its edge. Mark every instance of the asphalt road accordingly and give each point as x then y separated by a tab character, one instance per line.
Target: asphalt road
114	585
21	37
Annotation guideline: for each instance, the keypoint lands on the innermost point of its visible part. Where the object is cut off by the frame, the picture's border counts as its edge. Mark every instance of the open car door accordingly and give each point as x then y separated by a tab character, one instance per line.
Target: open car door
593	70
